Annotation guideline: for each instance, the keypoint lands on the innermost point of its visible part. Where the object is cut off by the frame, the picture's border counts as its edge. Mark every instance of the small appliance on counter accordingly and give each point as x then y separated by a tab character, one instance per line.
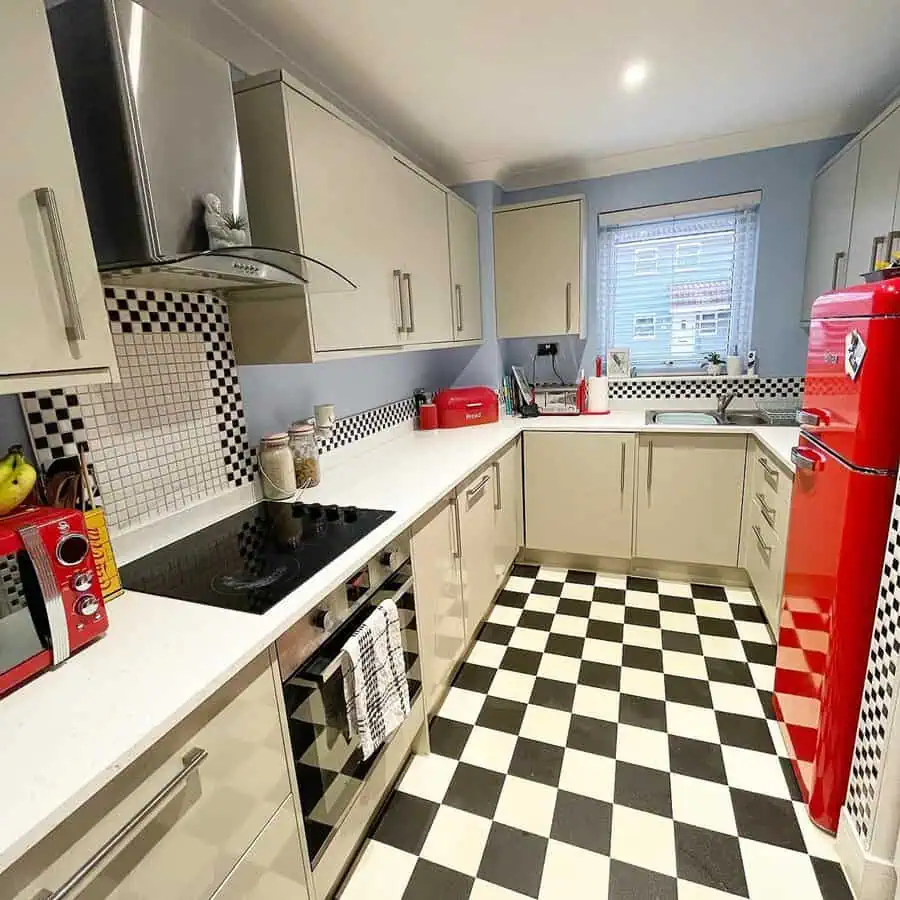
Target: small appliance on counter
459	407
51	602
557	399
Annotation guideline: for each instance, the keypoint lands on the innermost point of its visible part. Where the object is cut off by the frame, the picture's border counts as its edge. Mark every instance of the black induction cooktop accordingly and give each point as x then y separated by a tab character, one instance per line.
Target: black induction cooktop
253	559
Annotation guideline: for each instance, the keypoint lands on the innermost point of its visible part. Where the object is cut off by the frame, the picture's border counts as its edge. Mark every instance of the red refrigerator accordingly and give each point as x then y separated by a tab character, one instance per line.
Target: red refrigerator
846	461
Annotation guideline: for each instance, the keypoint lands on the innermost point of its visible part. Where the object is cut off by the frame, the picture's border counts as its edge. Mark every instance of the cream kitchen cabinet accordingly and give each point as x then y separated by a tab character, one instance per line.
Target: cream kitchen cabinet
183	814
439	597
538	264
689	495
507	509
475	498
827	265
55	327
579	493
465	275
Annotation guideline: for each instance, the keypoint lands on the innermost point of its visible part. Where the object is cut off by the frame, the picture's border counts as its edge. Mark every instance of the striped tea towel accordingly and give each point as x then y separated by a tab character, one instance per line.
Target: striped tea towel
375	688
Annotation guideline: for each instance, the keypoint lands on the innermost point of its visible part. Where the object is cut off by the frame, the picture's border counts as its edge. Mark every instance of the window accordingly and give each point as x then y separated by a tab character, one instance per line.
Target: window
674	289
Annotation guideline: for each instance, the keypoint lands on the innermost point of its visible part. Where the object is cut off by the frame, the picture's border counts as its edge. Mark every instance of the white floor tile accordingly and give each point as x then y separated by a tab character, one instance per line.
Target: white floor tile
675	589
571	872
559	668
643	747
576	626
428	776
512	686
608	612
456	840
713	609
641	636
683	622
641	683
505	615
777	738
694	722
754	771
735	698
702	803
551	726
484	653
617	582
763	676
461	705
740	595
578	591
818	842
529	639
527	805
773	872
489	749
486	890
754	631
381	871
686	665
519	584
644	840
690	890
552	573
608	652
588	774
642	599
542	603
598	703
722	647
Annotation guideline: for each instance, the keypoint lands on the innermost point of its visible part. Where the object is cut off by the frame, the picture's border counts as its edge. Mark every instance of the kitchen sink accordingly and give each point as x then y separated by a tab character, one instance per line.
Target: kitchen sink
746	417
703	417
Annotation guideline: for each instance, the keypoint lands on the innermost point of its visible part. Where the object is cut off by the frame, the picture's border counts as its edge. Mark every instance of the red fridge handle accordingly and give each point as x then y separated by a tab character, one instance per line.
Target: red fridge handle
811	415
807	460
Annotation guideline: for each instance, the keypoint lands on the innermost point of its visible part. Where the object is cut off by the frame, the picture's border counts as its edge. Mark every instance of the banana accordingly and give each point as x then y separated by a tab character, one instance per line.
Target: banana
17	478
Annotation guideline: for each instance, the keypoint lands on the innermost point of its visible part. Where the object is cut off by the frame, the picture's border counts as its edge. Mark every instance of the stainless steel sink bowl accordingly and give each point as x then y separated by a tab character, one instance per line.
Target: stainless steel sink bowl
746	417
704	417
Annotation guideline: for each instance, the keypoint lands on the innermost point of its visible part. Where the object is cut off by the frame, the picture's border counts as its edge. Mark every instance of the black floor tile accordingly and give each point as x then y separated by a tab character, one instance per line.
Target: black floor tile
474	678
642	658
831	880
565	645
609	595
637	615
710	858
692	691
717	627
475	790
495	634
764	654
516	599
683	643
765	702
513	859
641	788
632	883
537	761
605	631
549	588
729	671
553	694
592	736
790	779
502	715
600	675
539	621
648	585
574	576
437	883
770	820
745	731
525	571
697	758
709	592
405	822
676	604
643	712
582	821
570	607
743	612
525	661
448	737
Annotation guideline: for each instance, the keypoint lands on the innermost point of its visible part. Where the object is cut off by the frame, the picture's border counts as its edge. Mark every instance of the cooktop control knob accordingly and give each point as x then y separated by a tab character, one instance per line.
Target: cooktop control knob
323	619
332	513
387	557
82	581
351	514
87	605
314	511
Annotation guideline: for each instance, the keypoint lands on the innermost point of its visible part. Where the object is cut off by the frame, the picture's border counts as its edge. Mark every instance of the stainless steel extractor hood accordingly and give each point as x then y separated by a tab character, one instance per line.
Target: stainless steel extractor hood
151	114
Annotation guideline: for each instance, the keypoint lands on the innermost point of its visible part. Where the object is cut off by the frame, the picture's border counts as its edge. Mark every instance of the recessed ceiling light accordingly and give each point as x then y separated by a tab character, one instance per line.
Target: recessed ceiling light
634	75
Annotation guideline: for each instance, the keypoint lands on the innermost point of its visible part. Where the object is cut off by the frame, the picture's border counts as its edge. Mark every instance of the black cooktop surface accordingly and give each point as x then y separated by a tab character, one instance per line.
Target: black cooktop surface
253	559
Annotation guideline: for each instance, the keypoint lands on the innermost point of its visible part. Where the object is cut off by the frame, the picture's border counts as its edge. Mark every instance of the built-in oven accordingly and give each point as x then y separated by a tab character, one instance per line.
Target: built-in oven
327	757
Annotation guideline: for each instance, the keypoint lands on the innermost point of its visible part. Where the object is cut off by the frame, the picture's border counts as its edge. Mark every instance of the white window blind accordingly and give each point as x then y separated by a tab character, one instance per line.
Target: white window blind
673	290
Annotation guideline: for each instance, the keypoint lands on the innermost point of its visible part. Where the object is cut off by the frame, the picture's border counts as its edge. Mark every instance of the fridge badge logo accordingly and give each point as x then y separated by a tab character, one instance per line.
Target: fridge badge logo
855	352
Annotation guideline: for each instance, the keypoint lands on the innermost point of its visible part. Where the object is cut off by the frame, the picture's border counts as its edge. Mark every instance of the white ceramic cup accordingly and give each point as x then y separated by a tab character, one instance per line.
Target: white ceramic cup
324	413
734	365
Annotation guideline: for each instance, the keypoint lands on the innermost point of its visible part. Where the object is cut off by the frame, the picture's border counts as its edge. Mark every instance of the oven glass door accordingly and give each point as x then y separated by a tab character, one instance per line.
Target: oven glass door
24	629
328	760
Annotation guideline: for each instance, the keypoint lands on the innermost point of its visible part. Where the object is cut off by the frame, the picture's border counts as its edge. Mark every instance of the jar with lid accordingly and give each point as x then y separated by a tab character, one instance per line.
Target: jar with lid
305	454
276	467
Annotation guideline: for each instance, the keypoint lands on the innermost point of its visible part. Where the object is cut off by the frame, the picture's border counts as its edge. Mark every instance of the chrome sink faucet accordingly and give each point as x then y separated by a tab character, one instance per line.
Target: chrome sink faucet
724	402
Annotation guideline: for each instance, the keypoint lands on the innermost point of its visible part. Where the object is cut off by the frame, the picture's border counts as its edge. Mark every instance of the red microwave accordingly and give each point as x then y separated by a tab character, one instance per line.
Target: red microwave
457	407
51	603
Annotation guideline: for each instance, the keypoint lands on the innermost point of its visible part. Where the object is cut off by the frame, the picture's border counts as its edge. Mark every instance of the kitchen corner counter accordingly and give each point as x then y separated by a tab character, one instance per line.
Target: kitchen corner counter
69	732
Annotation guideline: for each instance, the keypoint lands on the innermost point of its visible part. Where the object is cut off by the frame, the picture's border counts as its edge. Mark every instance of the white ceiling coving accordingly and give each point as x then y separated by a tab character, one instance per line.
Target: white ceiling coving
530	91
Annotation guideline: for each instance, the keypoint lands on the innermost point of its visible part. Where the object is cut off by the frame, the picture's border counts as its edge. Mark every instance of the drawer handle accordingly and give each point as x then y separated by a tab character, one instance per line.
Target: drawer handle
498	497
189	762
769	469
759	540
768	512
478	488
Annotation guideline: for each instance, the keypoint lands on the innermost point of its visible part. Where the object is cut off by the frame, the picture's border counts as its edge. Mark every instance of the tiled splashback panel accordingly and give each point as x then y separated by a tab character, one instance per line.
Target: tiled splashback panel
705	387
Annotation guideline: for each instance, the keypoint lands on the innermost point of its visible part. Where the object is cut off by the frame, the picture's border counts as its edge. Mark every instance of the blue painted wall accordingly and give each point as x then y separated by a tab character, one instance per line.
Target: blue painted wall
783	174
12	425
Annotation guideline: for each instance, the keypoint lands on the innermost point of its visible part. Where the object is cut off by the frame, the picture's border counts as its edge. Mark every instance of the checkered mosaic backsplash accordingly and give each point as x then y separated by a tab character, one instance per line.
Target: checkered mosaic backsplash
705	387
879	692
365	424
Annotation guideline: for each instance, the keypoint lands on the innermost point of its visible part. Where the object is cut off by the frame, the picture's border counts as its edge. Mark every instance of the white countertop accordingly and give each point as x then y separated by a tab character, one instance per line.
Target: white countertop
67	734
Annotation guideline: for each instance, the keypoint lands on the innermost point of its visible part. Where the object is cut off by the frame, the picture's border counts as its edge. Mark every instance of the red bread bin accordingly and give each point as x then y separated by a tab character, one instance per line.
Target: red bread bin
458	407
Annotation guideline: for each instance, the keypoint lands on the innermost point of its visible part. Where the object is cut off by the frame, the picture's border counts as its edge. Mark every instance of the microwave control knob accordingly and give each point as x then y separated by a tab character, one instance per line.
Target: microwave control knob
82	581
87	605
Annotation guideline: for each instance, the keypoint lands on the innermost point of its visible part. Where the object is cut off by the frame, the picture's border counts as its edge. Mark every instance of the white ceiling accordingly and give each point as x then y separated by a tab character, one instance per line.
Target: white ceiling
528	91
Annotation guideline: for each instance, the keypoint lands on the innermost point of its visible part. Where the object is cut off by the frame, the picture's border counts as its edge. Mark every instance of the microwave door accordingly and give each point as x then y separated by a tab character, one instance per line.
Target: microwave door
24	629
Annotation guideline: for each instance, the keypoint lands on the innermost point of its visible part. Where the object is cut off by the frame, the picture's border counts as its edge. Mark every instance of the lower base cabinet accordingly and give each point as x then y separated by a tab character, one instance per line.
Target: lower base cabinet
507	509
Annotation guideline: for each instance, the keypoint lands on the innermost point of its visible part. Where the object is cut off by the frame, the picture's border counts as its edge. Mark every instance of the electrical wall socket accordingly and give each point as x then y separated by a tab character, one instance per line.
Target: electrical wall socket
550	348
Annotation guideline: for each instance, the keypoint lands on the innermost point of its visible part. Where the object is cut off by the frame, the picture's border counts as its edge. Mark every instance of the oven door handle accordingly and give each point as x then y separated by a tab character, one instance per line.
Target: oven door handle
321	677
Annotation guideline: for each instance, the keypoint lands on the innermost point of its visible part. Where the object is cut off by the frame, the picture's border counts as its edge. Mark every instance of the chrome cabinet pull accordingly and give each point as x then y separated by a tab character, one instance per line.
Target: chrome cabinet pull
622	471
398	276
46	201
407	277
837	268
807	417
189	762
891	240
768	512
759	540
878	242
478	488
771	471
454	522
459	308
568	306
649	466
498	499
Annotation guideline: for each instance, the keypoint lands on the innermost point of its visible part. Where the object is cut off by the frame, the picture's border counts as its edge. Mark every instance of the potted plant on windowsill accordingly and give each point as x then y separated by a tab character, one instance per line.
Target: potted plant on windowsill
715	365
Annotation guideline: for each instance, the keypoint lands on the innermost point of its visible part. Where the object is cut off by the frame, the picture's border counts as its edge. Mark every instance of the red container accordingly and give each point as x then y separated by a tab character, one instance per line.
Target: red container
428	417
458	407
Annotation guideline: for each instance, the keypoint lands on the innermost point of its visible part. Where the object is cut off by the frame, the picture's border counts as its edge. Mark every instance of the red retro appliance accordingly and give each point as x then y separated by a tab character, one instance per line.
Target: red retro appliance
458	407
50	599
846	461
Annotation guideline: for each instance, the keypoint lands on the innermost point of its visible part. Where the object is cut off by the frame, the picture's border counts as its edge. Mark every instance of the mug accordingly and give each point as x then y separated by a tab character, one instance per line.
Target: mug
324	413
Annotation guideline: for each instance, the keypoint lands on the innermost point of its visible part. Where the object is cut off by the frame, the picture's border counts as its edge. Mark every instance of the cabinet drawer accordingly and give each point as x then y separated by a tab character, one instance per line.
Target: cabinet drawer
771	480
765	563
187	845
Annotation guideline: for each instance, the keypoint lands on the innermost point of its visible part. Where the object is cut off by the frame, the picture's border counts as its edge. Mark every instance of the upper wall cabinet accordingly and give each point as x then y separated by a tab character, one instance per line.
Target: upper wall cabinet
465	274
318	183
538	261
53	304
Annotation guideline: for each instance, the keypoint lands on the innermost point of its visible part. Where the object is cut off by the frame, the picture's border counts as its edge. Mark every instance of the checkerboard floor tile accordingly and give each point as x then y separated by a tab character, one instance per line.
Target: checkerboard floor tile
606	737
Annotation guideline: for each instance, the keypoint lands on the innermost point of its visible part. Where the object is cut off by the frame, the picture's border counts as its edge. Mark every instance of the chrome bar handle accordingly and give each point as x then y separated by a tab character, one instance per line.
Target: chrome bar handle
649	466
759	540
806	417
46	201
189	762
622	471
768	512
891	240
478	488
454	523
801	461
878	242
770	470
398	276
568	306
407	277
459	308
837	268
498	499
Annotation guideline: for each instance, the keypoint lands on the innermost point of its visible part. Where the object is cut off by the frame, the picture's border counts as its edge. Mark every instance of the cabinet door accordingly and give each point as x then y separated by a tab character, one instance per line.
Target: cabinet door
507	509
343	181
476	532
689	494
876	196
464	269
424	256
579	493
537	269
439	606
50	279
829	229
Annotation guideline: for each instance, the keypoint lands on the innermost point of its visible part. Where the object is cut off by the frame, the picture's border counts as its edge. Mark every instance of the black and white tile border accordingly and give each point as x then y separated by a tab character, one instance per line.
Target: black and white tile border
705	387
365	424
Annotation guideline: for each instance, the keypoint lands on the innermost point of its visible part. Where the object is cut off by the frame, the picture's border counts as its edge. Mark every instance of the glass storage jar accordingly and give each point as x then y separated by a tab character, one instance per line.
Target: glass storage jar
306	454
276	467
